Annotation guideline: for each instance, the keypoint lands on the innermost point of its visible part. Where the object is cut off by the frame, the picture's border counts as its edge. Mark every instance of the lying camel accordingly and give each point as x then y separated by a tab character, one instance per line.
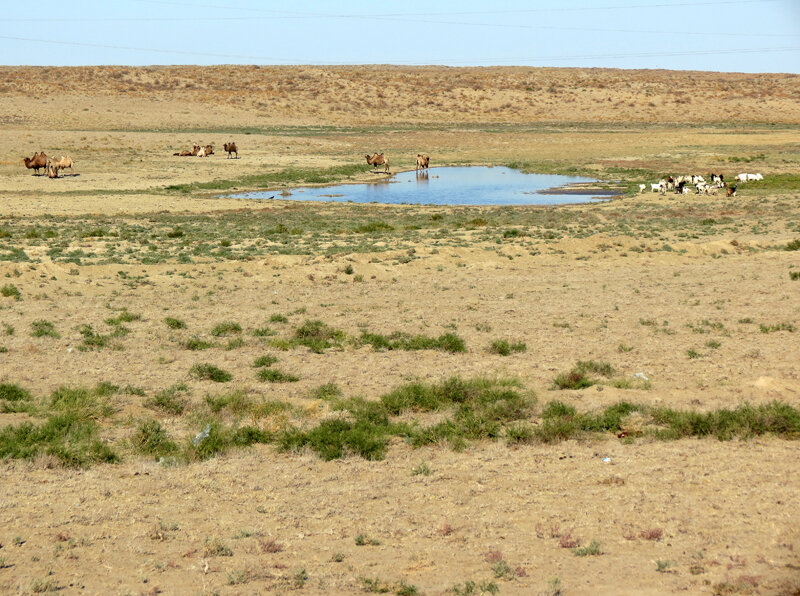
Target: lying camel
206	151
62	163
186	152
376	160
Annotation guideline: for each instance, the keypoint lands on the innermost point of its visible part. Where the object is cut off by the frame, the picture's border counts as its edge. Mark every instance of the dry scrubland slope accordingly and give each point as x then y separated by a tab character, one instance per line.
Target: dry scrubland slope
254	95
136	308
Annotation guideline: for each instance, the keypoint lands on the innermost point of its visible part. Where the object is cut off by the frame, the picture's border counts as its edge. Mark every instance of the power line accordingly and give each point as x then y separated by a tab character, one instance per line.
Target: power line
415	63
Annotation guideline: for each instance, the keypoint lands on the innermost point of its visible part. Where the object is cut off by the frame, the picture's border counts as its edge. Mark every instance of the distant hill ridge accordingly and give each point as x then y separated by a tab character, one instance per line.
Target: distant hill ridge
370	95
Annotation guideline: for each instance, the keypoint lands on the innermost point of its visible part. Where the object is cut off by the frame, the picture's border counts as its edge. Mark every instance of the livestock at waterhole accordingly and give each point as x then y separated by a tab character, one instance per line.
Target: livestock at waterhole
378	159
679	184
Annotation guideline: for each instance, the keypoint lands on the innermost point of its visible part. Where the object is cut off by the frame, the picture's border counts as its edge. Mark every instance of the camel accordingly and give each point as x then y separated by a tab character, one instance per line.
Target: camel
376	160
422	161
187	153
62	164
39	160
231	148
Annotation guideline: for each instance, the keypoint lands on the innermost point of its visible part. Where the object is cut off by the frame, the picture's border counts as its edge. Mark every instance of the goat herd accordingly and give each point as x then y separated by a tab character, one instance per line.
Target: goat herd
683	184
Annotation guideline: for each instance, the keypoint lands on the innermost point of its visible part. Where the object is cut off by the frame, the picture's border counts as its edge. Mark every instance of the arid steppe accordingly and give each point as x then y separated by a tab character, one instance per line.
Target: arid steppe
202	394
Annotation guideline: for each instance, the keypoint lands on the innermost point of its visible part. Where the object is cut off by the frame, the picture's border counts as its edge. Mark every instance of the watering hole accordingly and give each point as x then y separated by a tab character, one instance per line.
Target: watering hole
473	185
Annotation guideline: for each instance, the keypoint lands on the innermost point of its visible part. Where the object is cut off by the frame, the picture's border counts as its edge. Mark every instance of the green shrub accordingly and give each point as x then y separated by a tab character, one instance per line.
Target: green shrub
11	291
266	360
504	348
195	343
174	323
448	342
11	392
210	372
274	375
333	438
169	400
68	436
317	336
326	391
151	439
226	328
42	328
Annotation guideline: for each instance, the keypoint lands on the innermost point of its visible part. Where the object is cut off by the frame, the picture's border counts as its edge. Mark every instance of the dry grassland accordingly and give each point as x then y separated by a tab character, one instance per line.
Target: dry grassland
139	308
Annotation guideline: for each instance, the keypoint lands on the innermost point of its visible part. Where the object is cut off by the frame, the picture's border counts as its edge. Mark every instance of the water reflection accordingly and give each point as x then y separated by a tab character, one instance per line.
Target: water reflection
449	186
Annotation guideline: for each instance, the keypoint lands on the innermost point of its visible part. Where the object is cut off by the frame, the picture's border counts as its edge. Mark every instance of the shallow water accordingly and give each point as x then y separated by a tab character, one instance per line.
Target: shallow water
448	186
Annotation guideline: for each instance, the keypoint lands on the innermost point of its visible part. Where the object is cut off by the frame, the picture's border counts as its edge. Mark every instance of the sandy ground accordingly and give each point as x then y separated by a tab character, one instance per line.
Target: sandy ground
691	516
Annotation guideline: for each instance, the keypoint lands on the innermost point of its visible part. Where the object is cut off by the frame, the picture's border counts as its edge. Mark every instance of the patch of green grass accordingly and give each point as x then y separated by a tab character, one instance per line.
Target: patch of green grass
592	550
505	348
578	377
448	342
152	439
326	391
266	360
123	317
195	343
42	328
170	400
236	402
226	328
210	372
97	341
263	332
216	547
777	327
317	336
294	176
274	375
11	291
174	323
69	436
332	439
471	588
278	318
10	392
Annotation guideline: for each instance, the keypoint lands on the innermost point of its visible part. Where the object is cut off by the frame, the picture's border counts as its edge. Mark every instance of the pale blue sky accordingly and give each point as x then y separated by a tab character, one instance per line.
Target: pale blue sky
718	35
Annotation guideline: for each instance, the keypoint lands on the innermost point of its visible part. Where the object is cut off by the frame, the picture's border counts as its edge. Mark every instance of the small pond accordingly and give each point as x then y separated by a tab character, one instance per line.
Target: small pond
453	186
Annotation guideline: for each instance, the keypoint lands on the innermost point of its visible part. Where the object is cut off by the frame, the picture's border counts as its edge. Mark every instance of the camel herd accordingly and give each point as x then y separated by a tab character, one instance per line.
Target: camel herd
51	166
379	159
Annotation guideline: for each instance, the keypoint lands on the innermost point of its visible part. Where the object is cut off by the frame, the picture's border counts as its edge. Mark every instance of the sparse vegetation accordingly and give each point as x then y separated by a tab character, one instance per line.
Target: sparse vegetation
210	372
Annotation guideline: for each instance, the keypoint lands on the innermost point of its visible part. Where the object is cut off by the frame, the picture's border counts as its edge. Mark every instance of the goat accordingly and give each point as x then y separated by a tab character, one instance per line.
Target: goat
39	160
742	177
754	177
231	148
655	187
642	187
730	191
